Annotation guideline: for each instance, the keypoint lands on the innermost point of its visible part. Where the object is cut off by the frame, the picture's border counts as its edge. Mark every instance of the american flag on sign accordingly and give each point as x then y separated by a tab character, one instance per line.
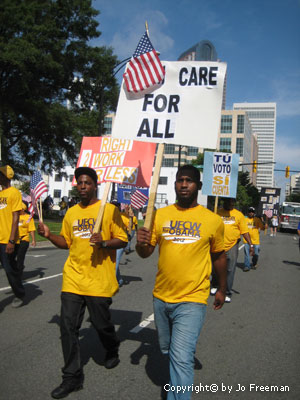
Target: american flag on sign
268	213
37	186
138	199
144	70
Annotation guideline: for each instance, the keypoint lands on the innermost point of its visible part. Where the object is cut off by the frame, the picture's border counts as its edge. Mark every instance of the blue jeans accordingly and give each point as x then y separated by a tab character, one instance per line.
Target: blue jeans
118	259
247	255
127	248
179	326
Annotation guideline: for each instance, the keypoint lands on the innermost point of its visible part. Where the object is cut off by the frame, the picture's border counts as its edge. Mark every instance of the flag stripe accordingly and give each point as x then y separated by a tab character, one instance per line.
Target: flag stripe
152	60
147	65
145	79
138	199
134	77
137	77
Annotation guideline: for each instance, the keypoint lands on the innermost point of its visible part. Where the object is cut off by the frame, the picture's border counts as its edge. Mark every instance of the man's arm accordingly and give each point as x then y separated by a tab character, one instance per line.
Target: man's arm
248	240
113	243
58	240
13	233
143	246
220	267
33	241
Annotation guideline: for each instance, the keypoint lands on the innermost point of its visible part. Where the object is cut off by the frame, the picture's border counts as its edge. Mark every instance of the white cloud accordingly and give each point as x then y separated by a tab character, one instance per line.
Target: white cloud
287	153
287	95
211	21
126	39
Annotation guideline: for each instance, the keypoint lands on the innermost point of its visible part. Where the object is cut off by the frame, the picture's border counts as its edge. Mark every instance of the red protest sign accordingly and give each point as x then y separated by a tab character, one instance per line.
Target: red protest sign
121	161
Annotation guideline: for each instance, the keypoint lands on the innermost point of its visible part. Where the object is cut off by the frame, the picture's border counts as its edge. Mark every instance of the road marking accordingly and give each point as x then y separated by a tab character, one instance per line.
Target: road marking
33	281
143	324
37	255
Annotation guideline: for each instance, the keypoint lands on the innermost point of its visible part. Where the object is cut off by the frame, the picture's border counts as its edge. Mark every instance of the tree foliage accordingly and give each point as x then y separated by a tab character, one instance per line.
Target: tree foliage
44	51
247	194
295	197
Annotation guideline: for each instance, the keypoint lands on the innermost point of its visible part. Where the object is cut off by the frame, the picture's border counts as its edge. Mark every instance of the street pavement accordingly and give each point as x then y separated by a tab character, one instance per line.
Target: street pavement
249	349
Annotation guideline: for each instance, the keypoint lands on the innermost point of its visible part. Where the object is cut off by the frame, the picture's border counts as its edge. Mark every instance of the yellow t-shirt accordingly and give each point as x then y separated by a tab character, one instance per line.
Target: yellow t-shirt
25	227
254	225
134	223
125	219
235	226
186	237
88	270
10	201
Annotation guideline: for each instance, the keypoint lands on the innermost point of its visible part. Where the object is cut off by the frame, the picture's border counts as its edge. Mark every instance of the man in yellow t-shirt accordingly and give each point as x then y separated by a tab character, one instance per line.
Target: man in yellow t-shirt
10	206
190	238
26	228
234	226
89	278
255	225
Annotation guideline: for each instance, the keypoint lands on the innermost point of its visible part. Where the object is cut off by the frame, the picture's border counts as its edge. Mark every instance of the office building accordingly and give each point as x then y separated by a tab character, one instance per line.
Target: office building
262	117
236	136
295	184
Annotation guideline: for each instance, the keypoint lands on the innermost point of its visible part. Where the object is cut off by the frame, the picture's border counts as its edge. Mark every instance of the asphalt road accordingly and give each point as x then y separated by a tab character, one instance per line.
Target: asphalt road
246	350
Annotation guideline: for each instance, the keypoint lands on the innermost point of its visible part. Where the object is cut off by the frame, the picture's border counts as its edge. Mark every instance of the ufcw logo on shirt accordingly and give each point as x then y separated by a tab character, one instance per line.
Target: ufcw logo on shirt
82	227
228	220
183	232
3	202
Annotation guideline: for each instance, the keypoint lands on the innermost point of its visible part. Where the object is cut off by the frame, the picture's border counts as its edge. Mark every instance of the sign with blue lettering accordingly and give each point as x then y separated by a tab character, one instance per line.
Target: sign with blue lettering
185	109
220	174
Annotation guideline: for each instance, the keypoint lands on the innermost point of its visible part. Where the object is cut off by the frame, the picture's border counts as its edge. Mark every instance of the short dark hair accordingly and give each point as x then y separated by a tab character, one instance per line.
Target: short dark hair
189	167
86	171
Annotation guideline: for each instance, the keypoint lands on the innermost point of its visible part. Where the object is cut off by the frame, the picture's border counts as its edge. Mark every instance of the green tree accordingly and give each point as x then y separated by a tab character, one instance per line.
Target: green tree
44	51
200	159
294	197
247	193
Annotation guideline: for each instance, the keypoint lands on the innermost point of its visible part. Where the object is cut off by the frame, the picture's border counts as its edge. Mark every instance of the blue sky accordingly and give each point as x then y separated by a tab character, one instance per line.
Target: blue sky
259	40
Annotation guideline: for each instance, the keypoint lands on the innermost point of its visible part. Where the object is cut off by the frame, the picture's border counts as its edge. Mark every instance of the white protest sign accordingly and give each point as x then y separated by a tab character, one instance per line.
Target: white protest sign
185	109
220	174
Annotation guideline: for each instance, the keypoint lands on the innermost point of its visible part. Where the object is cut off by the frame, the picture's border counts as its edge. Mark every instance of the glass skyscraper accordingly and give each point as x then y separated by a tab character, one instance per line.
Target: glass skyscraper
262	117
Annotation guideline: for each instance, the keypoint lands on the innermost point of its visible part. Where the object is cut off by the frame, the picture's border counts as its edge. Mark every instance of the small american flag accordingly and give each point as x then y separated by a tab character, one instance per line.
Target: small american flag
138	199
144	70
37	186
27	198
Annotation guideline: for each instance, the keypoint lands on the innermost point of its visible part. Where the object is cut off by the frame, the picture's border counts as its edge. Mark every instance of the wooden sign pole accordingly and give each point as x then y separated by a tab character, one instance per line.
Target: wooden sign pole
153	187
97	226
216	204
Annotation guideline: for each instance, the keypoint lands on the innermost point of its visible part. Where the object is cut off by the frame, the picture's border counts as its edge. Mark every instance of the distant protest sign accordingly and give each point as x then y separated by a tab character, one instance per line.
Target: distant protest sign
184	110
220	174
118	160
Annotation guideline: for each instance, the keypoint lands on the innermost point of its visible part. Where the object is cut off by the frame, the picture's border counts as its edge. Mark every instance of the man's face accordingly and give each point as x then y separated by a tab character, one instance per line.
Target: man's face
86	187
229	204
186	187
250	214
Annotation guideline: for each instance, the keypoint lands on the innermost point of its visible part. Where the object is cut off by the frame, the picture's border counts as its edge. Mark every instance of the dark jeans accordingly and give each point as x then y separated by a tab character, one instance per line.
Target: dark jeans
72	312
13	273
23	247
231	258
